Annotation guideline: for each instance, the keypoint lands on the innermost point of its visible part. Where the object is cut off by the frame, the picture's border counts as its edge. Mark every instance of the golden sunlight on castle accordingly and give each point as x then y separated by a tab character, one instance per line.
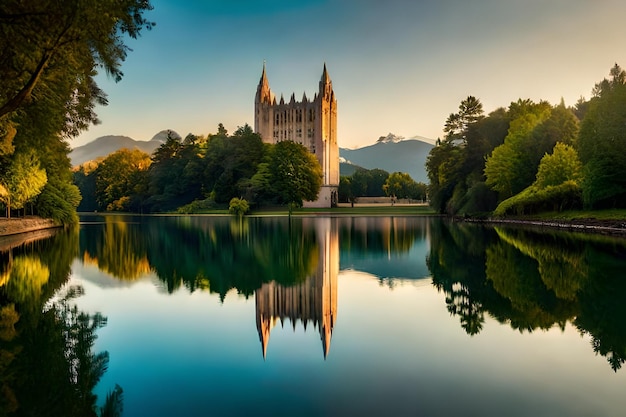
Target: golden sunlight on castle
312	123
313	300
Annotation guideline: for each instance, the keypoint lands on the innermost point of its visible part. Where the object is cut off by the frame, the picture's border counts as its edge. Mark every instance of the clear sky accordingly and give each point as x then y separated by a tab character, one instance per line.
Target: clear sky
398	66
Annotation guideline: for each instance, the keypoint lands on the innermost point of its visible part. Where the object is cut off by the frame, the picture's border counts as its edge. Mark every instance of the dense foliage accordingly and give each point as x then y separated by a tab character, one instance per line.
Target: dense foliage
50	53
201	173
378	183
533	157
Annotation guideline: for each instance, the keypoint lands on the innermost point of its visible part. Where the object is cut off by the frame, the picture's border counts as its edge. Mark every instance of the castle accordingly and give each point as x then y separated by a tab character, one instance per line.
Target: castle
312	123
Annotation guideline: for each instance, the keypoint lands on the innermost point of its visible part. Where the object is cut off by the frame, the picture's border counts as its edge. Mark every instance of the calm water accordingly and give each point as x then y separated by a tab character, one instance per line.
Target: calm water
197	316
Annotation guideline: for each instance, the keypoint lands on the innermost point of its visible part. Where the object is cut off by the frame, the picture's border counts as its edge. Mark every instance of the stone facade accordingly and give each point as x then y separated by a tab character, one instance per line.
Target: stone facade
312	123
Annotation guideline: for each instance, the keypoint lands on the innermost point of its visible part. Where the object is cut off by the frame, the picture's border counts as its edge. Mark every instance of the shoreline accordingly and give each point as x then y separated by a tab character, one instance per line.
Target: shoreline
604	227
25	225
21	225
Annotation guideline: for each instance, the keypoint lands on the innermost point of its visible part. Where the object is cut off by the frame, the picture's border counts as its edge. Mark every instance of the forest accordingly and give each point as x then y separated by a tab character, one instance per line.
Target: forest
201	173
533	157
50	55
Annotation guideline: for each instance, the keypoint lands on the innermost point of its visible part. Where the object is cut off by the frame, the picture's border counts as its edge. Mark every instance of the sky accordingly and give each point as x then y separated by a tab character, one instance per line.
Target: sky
397	66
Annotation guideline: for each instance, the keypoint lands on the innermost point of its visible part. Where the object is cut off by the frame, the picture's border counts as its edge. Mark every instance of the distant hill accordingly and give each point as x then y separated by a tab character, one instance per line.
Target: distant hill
393	154
106	145
346	169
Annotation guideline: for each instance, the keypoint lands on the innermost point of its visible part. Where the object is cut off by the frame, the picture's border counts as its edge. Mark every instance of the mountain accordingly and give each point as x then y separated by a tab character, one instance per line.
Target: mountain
106	145
393	154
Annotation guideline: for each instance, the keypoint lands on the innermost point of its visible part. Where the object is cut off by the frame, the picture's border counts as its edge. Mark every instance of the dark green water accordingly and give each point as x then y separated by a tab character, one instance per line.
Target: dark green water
196	316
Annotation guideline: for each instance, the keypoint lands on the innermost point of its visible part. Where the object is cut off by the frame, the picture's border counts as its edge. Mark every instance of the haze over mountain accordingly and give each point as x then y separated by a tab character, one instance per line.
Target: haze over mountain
393	154
106	145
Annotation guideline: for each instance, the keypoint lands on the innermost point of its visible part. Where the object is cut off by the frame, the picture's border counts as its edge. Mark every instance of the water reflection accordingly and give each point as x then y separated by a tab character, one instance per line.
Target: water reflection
47	363
291	266
387	247
533	280
313	300
179	276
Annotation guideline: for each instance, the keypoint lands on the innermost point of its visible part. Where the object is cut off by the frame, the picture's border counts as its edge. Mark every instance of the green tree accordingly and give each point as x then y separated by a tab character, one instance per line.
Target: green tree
238	207
457	124
59	201
358	183
376	180
511	167
231	161
119	176
449	172
560	166
53	50
443	167
296	174
176	175
24	181
400	185
345	191
601	142
557	184
85	179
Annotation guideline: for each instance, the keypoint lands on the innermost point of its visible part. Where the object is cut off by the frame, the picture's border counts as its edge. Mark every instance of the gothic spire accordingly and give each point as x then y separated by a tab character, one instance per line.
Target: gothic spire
325	77
263	92
263	80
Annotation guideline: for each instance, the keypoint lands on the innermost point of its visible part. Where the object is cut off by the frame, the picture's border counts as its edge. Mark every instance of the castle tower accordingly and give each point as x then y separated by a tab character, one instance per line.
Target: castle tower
312	123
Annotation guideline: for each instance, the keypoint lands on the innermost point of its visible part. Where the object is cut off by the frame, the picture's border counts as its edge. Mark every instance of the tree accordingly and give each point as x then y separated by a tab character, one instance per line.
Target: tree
400	185
24	181
119	176
470	111
230	161
46	45
512	166
556	187
601	142
358	183
376	180
345	191
449	164
238	207
296	174
560	166
443	167
176	174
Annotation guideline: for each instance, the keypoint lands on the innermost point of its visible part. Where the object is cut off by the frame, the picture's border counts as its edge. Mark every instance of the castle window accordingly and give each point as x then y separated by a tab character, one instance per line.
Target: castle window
299	132
311	115
277	119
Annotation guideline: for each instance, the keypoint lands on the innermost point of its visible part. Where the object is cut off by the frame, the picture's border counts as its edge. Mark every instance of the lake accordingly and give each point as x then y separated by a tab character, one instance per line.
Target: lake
313	316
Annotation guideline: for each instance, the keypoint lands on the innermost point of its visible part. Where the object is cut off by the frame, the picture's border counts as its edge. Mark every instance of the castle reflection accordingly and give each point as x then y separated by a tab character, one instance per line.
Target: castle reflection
314	300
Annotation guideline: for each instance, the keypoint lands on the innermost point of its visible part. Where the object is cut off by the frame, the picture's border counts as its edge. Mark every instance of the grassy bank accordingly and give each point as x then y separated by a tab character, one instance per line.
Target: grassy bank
579	215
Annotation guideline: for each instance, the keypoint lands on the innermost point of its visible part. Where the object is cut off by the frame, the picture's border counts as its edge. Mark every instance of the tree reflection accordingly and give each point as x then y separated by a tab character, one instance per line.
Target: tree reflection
215	255
456	261
47	364
533	280
118	248
380	234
